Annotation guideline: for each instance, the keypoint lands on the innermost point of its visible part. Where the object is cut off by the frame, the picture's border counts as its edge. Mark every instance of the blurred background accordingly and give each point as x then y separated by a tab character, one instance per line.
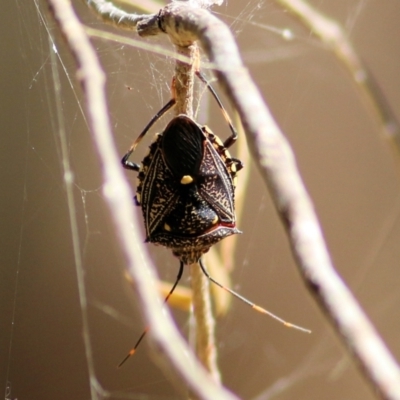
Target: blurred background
350	170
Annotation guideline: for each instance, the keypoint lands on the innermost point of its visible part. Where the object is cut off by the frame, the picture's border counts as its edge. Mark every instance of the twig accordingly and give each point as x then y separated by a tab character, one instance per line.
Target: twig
332	35
172	349
205	324
113	15
221	260
205	342
184	80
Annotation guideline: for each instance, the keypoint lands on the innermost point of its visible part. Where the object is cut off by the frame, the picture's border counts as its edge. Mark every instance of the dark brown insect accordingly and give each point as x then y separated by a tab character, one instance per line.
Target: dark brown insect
186	189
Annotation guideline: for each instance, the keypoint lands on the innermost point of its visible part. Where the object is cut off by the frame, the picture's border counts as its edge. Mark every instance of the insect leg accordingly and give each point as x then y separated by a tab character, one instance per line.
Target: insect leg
251	304
238	163
133	351
133	166
231	139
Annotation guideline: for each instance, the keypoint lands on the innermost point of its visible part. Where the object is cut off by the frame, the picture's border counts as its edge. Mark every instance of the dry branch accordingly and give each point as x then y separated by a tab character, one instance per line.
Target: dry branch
333	36
204	329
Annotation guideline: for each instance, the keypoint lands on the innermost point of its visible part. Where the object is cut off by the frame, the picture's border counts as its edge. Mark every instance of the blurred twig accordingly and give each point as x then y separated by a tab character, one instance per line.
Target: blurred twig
205	324
220	259
205	341
229	244
147	6
332	35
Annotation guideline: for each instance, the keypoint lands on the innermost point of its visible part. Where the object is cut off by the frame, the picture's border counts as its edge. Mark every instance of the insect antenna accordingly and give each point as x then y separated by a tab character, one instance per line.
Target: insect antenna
251	304
133	350
231	139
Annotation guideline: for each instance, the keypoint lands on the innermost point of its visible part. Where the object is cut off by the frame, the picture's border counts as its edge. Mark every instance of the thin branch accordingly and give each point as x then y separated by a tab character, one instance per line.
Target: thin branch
332	34
172	349
139	44
184	79
206	349
113	15
148	6
205	340
221	260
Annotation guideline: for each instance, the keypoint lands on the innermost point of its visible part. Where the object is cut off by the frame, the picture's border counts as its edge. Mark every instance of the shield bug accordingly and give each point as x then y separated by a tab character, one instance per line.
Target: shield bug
186	185
186	190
